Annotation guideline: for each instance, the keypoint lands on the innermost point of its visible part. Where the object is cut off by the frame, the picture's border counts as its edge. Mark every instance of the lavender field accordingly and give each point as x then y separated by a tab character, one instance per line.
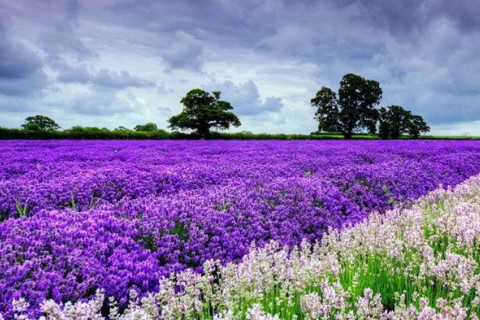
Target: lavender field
86	220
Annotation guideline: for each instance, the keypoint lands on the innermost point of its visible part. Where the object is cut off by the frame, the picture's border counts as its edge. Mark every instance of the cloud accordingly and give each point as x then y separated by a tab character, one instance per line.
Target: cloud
96	102
60	40
103	78
184	52
437	73
274	55
78	74
21	70
409	18
245	98
224	20
15	104
120	80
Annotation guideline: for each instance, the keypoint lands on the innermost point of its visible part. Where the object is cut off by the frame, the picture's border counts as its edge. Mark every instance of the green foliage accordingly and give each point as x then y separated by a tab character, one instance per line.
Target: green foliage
160	134
202	111
353	109
80	129
327	110
80	133
393	121
22	210
150	126
39	122
73	203
416	126
180	230
357	98
396	121
6	133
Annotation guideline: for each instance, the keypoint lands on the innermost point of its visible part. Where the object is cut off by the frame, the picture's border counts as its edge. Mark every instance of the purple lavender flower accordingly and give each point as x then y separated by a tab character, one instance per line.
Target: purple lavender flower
118	215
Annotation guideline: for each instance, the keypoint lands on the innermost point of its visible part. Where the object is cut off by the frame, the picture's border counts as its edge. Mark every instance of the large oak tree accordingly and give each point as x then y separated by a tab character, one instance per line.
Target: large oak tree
202	111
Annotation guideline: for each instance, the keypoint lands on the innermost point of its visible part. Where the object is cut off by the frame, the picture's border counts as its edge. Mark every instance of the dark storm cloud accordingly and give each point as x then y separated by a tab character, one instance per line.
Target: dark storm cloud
20	68
407	16
305	30
186	30
423	52
60	40
220	19
245	98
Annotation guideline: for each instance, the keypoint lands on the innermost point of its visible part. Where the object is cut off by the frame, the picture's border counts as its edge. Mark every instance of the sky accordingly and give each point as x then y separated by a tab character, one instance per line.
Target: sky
111	63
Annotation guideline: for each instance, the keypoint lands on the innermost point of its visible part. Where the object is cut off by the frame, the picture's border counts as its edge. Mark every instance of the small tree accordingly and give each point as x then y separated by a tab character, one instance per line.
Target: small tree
150	126
202	111
417	125
39	122
396	121
352	109
327	110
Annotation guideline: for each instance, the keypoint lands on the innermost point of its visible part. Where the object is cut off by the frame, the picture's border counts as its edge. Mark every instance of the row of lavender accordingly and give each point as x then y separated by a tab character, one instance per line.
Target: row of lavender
79	216
415	263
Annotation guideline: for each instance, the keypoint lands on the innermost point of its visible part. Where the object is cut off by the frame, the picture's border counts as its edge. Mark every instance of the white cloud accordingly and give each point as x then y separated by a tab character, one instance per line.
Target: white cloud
245	98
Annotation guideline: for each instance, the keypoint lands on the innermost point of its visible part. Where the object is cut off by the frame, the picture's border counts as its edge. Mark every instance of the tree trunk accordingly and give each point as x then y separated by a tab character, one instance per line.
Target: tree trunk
203	131
348	134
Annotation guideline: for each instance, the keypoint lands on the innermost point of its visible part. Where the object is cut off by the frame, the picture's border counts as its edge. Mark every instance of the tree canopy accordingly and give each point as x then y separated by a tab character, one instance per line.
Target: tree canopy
393	122
416	126
150	126
202	111
396	121
39	122
352	109
80	129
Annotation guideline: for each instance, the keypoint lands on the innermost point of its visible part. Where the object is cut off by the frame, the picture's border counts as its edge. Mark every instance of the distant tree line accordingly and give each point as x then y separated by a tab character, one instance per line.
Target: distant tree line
94	133
351	111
